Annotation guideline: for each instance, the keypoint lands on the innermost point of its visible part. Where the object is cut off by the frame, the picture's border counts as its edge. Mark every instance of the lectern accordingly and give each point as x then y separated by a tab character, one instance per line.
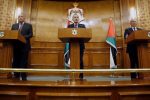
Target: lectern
142	38
7	37
74	36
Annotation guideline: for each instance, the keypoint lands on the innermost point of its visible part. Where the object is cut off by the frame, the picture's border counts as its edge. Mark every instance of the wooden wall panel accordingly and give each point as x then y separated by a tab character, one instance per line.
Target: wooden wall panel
5	57
1	54
146	57
47	59
148	52
86	58
99	59
144	53
96	55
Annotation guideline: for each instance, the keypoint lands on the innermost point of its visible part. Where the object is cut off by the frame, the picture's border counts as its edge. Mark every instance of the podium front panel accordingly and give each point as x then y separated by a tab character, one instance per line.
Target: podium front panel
68	34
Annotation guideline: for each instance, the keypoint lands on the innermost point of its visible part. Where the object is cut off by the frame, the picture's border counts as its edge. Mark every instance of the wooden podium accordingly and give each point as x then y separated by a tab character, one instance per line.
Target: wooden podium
142	38
73	36
7	37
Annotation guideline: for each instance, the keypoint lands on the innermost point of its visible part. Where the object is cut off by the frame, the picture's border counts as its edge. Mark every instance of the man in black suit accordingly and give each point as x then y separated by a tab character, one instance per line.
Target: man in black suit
76	24
21	50
132	48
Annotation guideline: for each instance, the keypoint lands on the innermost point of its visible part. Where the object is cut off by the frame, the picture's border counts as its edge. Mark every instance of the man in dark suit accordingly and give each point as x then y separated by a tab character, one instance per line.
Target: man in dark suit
21	50
76	24
132	48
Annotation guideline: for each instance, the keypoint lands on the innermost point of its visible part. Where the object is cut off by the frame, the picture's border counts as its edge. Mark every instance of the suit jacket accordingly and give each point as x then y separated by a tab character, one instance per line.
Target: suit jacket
82	46
26	31
127	32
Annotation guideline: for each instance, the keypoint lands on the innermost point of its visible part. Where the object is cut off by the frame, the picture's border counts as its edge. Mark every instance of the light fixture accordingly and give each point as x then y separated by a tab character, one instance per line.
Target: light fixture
132	13
17	13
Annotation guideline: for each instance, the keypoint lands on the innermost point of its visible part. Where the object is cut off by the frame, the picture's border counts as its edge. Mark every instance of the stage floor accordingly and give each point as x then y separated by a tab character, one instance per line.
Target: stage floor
87	78
60	88
93	80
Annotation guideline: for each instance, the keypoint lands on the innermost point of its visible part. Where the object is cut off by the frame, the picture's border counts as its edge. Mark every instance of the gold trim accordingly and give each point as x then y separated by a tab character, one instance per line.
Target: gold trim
2	70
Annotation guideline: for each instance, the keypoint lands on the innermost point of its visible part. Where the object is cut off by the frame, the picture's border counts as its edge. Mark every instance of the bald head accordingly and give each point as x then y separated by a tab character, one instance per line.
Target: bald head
133	23
75	18
21	18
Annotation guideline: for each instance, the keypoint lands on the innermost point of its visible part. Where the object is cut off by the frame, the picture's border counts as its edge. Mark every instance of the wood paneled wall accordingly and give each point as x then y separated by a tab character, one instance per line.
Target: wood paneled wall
96	56
47	16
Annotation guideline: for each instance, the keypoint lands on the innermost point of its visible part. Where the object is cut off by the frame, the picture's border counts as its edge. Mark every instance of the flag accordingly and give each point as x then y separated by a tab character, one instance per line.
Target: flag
67	56
111	40
67	52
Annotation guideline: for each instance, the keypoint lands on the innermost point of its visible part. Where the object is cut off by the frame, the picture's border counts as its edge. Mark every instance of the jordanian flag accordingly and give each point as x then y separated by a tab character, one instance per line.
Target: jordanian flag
67	56
67	53
111	40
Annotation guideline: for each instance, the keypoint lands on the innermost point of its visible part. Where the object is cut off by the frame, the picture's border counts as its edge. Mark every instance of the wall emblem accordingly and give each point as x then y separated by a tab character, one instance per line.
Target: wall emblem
77	11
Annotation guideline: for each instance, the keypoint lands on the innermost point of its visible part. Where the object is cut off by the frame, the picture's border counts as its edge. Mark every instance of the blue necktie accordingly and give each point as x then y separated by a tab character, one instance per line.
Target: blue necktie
75	25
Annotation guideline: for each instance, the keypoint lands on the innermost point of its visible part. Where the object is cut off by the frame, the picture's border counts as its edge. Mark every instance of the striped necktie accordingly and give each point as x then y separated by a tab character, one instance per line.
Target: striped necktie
20	27
134	28
75	25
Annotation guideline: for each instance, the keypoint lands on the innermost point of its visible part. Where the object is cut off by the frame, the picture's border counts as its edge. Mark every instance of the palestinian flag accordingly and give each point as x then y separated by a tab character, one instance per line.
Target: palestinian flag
111	40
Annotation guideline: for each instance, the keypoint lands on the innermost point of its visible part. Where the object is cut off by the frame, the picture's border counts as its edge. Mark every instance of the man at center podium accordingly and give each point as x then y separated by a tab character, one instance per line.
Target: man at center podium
76	24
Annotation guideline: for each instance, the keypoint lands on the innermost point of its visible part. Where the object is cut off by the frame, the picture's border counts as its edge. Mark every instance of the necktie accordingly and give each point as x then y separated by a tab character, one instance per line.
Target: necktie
20	27
134	28
75	25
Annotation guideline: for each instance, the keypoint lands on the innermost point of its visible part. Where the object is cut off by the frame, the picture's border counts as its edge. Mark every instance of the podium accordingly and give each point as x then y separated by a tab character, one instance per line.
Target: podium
142	38
74	36
7	37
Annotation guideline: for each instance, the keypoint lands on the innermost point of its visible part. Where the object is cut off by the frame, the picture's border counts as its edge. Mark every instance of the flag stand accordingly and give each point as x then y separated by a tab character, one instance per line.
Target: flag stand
113	73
